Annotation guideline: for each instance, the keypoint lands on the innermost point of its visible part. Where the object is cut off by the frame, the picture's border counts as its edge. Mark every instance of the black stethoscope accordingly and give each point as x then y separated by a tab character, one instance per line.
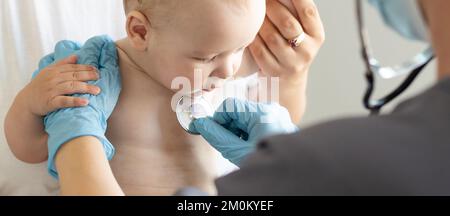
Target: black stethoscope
373	67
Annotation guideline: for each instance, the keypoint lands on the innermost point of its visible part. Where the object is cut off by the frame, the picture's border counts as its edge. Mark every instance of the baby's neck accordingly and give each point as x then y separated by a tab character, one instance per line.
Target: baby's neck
136	75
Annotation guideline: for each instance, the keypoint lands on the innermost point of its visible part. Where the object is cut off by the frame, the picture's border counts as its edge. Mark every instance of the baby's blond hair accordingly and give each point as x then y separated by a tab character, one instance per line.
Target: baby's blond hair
131	5
158	11
146	5
153	9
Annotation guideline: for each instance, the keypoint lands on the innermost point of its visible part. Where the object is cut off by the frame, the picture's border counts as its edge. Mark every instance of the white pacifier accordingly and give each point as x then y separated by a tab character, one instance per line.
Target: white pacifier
190	108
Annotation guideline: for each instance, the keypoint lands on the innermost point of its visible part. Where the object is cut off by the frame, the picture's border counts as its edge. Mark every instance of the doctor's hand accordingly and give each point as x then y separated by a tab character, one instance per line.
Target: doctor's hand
272	51
239	125
285	48
67	124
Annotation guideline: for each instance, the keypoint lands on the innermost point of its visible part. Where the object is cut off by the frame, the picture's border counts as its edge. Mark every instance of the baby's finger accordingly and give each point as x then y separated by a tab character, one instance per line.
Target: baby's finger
69	68
67	102
69	60
79	76
76	87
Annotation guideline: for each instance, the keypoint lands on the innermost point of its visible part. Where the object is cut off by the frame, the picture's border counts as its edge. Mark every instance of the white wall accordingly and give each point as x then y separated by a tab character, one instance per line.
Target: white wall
28	30
337	81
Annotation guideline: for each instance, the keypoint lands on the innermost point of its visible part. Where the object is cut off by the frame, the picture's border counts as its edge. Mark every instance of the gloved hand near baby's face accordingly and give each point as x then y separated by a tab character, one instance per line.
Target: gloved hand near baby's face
238	125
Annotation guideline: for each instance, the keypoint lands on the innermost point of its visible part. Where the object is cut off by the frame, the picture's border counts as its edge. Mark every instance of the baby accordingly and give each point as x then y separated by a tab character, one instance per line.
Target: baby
166	39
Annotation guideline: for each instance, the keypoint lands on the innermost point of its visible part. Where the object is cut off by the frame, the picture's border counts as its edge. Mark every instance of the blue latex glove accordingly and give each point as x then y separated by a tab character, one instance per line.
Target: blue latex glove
238	125
66	124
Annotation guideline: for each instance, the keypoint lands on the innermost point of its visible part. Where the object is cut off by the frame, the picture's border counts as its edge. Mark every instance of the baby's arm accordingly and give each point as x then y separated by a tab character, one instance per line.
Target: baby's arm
25	132
24	126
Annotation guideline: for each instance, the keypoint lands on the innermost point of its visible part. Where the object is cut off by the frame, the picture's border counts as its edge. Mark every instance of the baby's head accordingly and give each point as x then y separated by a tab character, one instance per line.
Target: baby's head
177	37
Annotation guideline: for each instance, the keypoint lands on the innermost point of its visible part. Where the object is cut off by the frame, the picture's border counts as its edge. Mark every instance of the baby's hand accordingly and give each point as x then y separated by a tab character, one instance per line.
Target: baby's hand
48	91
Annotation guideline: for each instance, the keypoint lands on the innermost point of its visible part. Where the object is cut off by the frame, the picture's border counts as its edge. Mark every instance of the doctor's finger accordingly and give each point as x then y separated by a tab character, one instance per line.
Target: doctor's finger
276	42
310	18
240	114
216	135
284	20
263	57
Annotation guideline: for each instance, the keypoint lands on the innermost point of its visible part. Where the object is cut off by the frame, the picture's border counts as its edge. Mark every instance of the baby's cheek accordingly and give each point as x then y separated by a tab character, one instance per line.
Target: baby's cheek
181	72
178	81
190	82
199	80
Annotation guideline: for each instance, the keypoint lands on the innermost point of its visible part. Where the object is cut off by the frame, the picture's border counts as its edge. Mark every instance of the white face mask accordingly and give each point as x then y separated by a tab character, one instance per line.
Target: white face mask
405	17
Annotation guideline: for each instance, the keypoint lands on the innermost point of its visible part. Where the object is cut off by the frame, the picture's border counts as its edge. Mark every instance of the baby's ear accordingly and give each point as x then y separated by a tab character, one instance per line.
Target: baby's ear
138	30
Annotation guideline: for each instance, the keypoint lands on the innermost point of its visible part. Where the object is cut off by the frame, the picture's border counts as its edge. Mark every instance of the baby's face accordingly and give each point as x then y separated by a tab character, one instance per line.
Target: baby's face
209	36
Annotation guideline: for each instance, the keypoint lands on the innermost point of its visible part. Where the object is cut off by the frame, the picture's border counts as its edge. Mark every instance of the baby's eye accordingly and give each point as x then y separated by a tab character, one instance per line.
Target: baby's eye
206	60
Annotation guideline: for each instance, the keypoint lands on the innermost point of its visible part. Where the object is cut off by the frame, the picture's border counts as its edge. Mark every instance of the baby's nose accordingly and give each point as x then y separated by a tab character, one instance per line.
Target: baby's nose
226	71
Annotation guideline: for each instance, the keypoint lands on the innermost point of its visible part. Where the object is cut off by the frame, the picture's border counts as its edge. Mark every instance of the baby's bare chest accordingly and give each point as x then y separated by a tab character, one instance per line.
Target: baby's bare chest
153	153
145	125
